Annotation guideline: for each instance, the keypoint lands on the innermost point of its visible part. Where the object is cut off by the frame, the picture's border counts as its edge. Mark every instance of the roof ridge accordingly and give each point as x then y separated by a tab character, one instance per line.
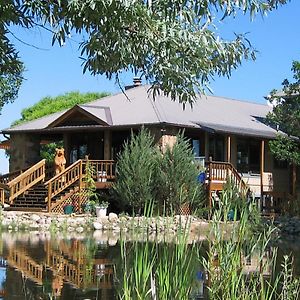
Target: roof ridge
236	100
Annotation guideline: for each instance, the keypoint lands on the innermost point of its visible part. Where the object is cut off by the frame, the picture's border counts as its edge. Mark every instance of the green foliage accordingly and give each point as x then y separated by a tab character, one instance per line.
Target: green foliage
50	105
286	115
136	170
48	151
146	176
177	177
11	68
228	252
173	44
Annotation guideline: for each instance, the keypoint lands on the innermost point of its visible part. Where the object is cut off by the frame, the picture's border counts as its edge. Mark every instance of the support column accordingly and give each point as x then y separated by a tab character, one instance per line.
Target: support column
67	147
206	149
107	144
228	149
262	167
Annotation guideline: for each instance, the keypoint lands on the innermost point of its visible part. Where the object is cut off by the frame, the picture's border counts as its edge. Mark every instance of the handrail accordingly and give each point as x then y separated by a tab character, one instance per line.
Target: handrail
26	180
63	180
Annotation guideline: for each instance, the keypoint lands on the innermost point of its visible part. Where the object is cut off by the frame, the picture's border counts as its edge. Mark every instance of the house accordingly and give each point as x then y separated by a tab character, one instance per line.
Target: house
232	133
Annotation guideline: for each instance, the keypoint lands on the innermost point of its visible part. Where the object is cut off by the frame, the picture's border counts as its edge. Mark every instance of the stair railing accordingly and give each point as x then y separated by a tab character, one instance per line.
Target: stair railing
26	180
221	171
63	180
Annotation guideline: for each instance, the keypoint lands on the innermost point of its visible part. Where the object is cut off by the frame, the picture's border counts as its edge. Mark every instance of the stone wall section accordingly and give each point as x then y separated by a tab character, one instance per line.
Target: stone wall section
24	151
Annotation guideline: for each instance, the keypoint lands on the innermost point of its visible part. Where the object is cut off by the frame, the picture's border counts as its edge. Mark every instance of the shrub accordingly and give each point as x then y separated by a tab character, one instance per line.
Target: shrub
177	178
136	170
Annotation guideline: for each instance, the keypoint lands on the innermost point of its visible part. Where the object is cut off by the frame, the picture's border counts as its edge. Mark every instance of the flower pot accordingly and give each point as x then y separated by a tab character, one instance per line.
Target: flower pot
100	211
68	209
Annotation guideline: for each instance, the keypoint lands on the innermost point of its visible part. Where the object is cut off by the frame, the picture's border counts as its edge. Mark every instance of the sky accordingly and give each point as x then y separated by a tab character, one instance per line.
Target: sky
52	71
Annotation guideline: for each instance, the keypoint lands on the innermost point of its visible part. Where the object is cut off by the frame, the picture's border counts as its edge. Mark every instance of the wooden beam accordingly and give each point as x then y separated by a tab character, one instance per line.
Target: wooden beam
206	145
229	148
107	144
262	165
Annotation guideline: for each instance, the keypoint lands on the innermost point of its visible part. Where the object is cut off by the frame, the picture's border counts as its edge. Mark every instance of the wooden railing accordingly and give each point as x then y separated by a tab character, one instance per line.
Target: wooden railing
63	180
223	171
21	261
6	178
103	170
26	180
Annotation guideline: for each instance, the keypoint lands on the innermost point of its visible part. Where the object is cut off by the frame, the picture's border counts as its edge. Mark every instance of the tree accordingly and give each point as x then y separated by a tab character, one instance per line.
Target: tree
286	117
49	105
11	67
172	44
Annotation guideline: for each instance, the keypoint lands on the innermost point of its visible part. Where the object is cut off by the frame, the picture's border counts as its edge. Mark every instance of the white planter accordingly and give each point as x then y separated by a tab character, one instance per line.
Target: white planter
101	176
100	211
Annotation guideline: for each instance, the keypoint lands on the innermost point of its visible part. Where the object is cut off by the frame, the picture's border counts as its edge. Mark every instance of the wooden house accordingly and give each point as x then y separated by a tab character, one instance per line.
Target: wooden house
232	133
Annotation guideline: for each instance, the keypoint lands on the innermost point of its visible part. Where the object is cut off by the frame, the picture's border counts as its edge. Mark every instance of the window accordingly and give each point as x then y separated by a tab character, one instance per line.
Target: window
216	147
248	155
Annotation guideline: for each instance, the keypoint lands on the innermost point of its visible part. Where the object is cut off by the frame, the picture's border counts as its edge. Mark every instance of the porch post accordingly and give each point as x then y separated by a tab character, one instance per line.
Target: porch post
66	138
107	145
206	145
262	164
229	148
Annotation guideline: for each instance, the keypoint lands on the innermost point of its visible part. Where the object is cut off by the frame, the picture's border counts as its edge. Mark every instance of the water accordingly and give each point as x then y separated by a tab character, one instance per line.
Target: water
44	266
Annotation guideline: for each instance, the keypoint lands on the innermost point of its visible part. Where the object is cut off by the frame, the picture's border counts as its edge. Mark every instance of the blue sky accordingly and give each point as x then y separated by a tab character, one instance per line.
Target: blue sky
53	70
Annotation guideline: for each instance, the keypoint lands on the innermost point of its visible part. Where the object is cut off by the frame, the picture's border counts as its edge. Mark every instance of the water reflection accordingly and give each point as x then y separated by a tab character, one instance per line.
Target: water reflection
45	267
41	266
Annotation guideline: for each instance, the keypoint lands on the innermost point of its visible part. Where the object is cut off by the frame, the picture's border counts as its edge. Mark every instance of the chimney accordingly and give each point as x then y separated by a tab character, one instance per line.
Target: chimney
137	81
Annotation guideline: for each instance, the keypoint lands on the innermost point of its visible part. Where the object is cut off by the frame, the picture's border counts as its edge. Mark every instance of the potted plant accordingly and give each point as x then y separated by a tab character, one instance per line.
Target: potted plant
101	209
68	209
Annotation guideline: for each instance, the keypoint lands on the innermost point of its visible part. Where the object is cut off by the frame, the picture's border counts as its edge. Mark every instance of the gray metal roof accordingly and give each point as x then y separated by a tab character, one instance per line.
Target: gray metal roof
138	107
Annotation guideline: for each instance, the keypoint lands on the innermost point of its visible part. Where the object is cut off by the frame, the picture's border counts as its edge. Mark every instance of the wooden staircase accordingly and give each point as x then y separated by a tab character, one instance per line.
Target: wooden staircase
27	190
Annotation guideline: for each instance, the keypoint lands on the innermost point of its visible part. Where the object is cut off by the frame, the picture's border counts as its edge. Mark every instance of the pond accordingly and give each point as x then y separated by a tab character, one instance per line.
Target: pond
44	266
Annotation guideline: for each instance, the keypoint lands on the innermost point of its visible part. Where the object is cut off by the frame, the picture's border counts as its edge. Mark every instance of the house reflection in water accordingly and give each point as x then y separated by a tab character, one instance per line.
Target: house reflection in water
63	269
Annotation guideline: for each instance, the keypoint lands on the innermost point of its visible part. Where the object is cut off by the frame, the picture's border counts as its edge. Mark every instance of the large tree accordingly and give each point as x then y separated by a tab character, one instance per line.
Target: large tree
286	117
173	44
11	67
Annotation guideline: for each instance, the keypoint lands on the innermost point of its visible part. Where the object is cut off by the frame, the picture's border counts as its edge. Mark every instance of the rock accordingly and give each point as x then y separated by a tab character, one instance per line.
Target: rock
35	217
103	220
79	229
97	226
112	217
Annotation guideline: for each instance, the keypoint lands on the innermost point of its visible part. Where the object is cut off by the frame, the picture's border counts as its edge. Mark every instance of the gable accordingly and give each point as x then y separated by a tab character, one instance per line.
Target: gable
77	116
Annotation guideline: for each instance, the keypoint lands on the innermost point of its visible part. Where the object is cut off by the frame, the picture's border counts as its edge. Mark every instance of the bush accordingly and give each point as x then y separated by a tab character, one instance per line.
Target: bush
146	176
135	172
177	180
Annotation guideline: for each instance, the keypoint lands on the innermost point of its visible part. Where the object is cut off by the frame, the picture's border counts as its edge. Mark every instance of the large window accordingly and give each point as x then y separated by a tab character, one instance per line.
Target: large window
248	155
216	147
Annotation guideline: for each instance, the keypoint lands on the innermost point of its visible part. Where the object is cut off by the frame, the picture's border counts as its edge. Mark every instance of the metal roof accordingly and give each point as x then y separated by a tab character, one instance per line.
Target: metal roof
138	107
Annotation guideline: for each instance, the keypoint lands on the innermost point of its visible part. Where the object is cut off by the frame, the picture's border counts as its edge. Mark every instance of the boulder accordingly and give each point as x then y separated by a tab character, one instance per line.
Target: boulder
97	225
113	218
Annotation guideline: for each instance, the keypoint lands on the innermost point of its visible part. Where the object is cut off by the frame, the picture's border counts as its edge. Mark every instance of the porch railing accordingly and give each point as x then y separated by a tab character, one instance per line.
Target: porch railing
25	180
6	178
222	171
103	170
